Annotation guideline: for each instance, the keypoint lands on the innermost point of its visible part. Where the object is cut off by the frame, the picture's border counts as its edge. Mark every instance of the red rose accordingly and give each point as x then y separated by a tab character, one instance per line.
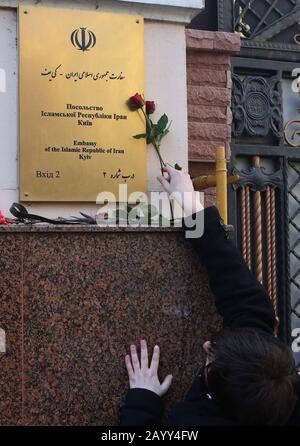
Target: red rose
135	102
150	107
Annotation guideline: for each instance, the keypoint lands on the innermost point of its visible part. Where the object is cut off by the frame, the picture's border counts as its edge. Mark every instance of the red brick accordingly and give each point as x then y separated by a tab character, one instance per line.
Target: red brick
206	59
208	131
206	150
227	42
209	87
197	168
212	67
197	75
212	40
201	43
207	95
200	113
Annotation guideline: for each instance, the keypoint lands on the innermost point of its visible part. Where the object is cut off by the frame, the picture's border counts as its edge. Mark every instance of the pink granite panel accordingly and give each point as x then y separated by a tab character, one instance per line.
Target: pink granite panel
86	298
10	322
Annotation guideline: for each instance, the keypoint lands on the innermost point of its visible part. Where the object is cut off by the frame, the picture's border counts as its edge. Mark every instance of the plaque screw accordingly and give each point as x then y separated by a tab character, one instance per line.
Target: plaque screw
137	21
25	12
26	194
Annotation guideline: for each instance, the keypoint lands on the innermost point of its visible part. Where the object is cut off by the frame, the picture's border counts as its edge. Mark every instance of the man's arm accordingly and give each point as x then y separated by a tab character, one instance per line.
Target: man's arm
141	407
295	418
240	299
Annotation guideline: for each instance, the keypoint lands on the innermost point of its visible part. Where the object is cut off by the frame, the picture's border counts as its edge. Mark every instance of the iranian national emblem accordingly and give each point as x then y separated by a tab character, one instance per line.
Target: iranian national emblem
83	39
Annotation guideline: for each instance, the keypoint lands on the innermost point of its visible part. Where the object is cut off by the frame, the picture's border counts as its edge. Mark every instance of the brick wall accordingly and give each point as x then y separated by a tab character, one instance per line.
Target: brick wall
209	98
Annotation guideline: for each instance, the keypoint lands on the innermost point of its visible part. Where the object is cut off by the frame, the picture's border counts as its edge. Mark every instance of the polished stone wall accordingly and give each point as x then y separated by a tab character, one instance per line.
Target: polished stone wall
73	298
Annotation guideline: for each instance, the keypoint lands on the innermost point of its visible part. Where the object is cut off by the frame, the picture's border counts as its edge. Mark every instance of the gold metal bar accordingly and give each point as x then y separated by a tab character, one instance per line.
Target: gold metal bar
221	182
206	181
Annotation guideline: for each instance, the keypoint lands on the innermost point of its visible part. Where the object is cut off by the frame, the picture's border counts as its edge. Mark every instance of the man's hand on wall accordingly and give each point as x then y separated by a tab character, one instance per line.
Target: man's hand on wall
143	376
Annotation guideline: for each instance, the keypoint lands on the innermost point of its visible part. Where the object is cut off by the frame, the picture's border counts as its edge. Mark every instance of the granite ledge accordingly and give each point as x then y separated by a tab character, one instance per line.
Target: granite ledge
82	228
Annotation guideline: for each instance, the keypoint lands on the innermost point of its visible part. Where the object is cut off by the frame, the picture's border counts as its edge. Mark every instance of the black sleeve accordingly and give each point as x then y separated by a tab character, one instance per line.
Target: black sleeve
295	418
239	297
141	408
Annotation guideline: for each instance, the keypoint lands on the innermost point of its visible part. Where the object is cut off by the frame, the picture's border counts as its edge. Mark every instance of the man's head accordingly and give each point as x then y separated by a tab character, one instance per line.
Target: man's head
251	375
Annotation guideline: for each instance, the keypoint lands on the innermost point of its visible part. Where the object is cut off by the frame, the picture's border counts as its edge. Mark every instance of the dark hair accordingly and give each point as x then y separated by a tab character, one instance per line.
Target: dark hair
252	377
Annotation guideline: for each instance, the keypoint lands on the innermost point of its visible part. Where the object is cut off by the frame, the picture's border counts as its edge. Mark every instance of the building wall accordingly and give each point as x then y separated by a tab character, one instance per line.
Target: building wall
165	73
194	64
209	98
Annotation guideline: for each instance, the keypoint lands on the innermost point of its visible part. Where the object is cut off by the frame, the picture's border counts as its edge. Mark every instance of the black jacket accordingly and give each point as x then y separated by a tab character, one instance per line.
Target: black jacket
242	302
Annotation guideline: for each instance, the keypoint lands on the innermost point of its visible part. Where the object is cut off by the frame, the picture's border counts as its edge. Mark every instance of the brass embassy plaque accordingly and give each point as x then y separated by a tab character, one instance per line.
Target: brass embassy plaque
77	70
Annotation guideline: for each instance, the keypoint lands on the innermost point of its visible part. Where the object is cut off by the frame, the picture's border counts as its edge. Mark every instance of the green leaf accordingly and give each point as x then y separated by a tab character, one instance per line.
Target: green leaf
150	139
177	167
140	136
162	123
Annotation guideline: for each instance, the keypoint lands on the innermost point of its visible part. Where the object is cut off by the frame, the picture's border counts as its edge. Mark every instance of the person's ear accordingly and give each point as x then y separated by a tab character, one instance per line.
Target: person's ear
207	347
